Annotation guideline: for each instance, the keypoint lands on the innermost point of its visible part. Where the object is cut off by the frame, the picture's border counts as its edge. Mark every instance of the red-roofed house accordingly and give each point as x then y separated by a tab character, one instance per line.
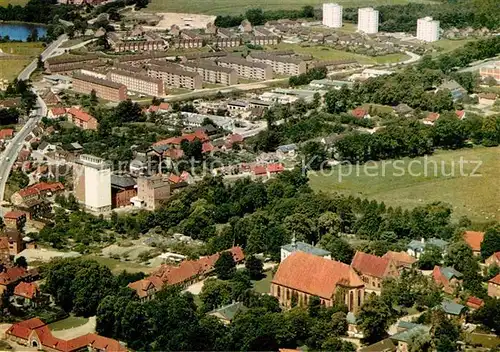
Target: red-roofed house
373	270
176	141
474	240
431	118
26	294
15	219
14	240
460	114
267	170
360	113
494	287
207	147
302	275
6	134
164	107
474	302
36	192
402	259
56	113
188	272
493	259
82	119
447	278
36	334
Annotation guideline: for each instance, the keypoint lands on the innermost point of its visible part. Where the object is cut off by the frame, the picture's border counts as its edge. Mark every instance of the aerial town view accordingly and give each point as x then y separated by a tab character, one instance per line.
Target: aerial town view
222	175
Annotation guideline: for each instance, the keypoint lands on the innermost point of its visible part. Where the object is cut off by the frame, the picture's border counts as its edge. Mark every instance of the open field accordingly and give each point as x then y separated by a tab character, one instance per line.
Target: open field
474	196
16	56
68	323
264	284
118	266
4	3
326	53
488	341
232	7
448	45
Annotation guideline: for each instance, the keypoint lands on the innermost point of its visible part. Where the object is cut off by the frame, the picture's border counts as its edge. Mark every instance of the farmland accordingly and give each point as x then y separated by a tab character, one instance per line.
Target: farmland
474	196
233	7
16	56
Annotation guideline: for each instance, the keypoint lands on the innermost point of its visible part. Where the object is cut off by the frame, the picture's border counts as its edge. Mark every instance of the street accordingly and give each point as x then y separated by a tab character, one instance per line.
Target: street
9	155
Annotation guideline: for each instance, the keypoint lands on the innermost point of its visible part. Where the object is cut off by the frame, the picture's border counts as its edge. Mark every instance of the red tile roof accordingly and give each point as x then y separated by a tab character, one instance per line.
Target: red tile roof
80	115
23	329
474	302
174	179
315	275
359	113
14	215
164	106
460	114
496	256
11	275
41	187
26	289
400	258
474	239
198	134
432	117
58	111
173	153
235	138
207	147
274	168
370	264
7	132
495	280
259	170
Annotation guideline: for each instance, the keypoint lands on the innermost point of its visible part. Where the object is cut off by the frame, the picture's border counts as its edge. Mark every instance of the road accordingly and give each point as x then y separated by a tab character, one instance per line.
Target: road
475	66
9	156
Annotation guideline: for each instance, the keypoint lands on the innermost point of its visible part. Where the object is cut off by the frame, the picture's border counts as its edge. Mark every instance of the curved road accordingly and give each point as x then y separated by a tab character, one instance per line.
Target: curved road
9	156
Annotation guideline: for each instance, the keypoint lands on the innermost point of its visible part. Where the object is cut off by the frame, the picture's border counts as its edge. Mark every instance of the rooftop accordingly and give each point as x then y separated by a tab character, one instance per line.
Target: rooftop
95	80
305	247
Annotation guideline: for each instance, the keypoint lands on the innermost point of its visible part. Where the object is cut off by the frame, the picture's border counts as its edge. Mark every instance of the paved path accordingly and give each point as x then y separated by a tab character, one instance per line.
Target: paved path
67	334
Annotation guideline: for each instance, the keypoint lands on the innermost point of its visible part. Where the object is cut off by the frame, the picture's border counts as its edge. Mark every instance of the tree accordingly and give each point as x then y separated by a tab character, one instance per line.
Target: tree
314	155
431	257
489	314
21	262
255	267
215	293
255	16
491	242
374	318
341	250
444	332
339	323
337	345
225	266
459	255
329	223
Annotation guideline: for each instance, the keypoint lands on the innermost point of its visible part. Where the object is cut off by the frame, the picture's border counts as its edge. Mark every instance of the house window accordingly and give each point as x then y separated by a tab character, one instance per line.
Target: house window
279	292
359	298
351	300
287	294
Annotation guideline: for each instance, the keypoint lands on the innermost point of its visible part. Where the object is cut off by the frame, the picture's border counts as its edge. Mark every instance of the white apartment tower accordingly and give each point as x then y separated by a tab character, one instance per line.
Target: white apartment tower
368	20
92	183
332	15
427	29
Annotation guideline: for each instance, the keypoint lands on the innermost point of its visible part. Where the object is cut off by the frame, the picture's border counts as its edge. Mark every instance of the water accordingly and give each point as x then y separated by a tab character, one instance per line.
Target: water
20	31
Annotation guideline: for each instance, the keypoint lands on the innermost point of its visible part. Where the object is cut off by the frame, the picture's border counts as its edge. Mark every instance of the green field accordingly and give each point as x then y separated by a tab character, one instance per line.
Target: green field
225	7
264	285
447	45
68	323
488	341
17	56
117	266
474	196
4	3
326	53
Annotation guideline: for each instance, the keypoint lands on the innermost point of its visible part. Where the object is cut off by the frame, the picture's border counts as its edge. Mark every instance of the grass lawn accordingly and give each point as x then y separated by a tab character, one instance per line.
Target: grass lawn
449	44
488	341
263	285
326	53
118	266
225	7
474	196
10	66
4	3
68	323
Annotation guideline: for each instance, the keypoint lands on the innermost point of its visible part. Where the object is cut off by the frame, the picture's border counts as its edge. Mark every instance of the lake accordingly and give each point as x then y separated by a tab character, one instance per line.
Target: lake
20	31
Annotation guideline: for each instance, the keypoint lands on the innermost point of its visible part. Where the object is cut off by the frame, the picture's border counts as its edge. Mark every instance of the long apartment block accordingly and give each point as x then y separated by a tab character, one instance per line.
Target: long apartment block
212	73
289	66
247	69
138	82
175	76
104	88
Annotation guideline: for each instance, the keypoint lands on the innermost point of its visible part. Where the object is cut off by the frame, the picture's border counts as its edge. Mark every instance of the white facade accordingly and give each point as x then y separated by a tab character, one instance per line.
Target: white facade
332	15
368	20
427	29
97	183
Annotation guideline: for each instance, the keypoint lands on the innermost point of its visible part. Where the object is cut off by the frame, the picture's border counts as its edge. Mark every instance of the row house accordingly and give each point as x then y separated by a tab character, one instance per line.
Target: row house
36	192
81	119
226	42
264	40
203	56
247	69
103	88
212	73
138	82
174	76
335	65
120	45
138	60
289	66
186	43
301	276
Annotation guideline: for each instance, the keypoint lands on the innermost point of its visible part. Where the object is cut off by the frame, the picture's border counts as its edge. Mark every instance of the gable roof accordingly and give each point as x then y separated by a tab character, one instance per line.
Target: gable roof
400	258
305	247
26	289
495	280
315	275
370	264
474	239
474	302
451	307
229	311
80	115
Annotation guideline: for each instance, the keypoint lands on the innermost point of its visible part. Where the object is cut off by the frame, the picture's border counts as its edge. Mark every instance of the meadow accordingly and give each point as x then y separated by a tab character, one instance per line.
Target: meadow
4	3
17	56
234	7
474	196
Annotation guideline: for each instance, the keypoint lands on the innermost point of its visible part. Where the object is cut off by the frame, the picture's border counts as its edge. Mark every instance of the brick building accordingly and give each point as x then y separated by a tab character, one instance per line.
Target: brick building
119	44
494	287
103	88
82	119
152	190
138	82
15	219
14	240
174	76
247	69
212	73
302	275
123	188
55	64
373	270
